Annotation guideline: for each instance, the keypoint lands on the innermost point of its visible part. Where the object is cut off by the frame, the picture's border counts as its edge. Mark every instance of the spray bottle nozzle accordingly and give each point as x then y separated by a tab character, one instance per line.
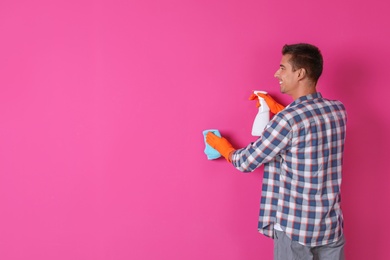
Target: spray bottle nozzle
259	100
260	91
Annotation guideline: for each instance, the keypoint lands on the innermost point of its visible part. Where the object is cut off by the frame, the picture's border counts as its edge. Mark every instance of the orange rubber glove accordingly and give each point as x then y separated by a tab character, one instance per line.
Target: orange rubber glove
274	106
220	144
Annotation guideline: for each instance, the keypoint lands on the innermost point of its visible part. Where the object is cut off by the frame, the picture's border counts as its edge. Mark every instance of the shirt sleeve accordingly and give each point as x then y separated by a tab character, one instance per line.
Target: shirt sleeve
275	138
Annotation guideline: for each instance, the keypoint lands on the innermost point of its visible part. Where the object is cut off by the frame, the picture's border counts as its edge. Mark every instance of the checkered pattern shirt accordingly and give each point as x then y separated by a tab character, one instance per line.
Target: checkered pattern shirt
302	152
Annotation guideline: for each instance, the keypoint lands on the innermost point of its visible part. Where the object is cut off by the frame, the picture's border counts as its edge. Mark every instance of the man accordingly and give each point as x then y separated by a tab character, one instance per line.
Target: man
302	152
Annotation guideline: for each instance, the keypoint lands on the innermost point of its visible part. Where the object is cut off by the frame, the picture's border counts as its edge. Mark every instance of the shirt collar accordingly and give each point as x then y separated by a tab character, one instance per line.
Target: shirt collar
304	98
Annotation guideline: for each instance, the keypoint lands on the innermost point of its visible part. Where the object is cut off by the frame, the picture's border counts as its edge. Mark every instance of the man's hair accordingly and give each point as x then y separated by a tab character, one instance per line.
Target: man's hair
305	56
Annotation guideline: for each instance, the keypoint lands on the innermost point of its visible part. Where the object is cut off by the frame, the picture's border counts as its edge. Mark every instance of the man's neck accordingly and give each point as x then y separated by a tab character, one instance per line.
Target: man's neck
304	90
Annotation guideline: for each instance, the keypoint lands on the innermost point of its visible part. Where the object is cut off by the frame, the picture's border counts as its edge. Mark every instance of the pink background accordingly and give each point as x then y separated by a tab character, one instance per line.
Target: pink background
102	107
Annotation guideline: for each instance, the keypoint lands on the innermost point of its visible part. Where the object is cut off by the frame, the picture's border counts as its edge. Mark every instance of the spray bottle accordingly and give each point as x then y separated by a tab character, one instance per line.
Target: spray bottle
262	117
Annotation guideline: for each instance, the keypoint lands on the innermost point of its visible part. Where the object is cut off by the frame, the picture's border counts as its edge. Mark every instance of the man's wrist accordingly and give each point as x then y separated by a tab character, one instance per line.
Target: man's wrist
230	156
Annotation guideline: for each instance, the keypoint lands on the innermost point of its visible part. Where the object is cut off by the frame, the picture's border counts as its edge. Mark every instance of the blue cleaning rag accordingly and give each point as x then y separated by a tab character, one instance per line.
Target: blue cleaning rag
210	151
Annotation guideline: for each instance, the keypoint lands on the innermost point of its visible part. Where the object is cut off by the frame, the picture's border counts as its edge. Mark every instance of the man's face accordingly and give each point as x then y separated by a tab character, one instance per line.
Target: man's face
288	79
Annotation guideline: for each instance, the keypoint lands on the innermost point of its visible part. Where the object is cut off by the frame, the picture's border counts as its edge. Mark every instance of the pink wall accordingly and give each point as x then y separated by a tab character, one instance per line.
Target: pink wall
102	107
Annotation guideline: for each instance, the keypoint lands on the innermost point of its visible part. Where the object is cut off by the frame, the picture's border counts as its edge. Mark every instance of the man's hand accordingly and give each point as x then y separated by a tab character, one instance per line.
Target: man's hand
221	145
274	106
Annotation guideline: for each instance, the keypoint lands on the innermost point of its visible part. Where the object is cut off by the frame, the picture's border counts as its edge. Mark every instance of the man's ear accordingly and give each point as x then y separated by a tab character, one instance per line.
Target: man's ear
301	73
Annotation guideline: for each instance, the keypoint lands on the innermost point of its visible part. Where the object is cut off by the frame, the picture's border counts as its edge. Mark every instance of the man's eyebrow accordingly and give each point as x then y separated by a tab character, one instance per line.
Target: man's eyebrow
281	65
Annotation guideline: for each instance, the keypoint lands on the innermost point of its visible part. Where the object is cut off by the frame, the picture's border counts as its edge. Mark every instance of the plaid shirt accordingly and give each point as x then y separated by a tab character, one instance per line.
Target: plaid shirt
302	152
